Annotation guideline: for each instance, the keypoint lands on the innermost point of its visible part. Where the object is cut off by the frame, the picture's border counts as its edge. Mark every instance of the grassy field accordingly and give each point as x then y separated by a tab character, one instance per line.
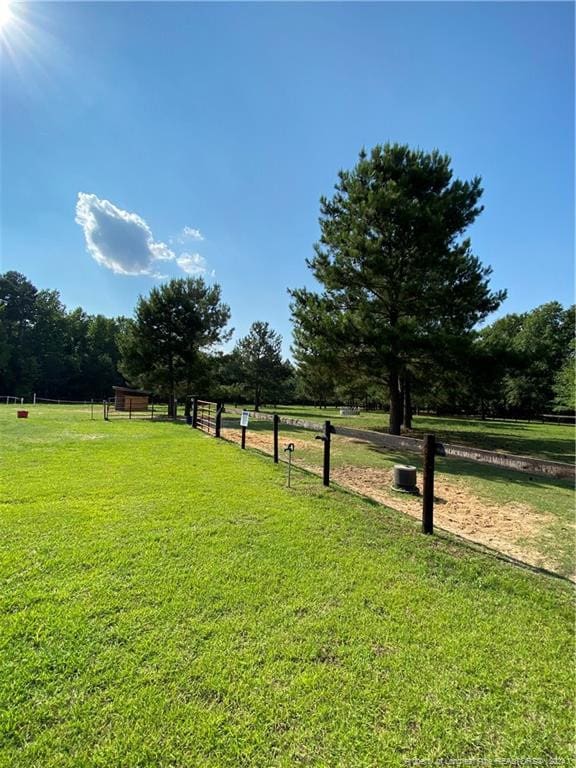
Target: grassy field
167	601
524	438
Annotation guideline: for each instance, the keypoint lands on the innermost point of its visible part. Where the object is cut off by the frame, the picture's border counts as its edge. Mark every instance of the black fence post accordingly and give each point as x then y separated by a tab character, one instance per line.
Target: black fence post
326	473
129	407
243	443
194	412
429	448
276	423
104	414
218	424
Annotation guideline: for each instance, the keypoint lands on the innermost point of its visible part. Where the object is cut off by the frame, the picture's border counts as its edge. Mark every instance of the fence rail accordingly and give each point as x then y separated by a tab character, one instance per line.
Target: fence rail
8	399
153	412
526	464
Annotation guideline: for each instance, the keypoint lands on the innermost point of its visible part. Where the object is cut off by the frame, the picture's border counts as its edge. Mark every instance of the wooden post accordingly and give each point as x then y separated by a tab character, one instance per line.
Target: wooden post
276	431
195	412
243	443
92	409
326	473
218	424
104	409
428	484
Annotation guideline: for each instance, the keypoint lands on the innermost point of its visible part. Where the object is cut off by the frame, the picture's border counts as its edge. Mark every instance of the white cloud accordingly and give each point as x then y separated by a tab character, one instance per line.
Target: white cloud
189	233
119	240
192	263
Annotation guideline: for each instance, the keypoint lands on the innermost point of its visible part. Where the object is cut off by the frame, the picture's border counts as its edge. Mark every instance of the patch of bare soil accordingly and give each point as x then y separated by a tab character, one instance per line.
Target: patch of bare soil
263	440
513	529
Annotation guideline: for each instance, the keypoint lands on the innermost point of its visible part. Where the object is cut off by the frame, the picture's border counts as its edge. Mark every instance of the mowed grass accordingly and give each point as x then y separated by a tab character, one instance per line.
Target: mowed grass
555	442
167	601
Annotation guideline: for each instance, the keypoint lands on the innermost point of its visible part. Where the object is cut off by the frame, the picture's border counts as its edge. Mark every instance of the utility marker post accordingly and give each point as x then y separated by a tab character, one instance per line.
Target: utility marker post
428	484
290	449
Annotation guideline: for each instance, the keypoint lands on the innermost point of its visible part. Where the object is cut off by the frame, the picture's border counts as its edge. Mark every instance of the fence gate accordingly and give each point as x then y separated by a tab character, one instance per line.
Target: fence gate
207	416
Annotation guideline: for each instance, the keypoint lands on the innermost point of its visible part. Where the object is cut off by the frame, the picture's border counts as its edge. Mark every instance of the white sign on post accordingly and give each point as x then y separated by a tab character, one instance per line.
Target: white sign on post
244	418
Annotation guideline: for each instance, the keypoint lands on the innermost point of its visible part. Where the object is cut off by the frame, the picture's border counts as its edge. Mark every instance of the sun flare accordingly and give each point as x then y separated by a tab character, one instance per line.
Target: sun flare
6	14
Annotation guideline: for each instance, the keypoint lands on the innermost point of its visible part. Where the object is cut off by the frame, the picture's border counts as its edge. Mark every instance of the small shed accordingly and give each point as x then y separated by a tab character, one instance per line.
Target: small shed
126	399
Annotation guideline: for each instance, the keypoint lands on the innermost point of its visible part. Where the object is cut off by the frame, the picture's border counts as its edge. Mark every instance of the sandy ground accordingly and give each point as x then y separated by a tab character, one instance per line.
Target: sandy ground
514	529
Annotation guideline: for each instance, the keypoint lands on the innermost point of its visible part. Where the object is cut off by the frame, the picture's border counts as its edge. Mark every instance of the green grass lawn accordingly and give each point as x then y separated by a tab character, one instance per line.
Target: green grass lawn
524	438
167	601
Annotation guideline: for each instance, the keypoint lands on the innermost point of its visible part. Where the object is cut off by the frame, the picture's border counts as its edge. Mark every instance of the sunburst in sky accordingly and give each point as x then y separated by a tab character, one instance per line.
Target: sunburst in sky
6	15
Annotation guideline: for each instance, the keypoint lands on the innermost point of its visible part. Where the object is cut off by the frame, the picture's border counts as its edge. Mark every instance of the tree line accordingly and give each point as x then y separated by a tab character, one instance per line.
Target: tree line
169	347
395	324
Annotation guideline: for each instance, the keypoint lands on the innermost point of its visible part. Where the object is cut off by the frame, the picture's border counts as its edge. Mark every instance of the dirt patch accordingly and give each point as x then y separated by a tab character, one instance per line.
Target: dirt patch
263	440
458	510
514	529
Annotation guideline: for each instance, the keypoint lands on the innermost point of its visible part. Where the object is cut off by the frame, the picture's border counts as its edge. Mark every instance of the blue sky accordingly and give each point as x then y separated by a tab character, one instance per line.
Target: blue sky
231	119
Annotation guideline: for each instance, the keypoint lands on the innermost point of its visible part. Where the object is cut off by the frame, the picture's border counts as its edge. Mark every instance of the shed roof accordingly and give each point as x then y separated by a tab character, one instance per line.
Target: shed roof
129	391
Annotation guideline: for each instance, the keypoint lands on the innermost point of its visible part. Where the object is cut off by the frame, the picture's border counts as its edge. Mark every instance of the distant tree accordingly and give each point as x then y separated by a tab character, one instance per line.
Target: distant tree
53	344
534	347
223	378
564	386
261	369
398	278
161	347
17	316
102	355
285	388
316	373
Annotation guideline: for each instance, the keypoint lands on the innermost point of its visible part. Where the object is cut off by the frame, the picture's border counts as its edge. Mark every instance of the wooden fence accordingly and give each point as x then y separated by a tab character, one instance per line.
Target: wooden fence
425	447
428	448
526	464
